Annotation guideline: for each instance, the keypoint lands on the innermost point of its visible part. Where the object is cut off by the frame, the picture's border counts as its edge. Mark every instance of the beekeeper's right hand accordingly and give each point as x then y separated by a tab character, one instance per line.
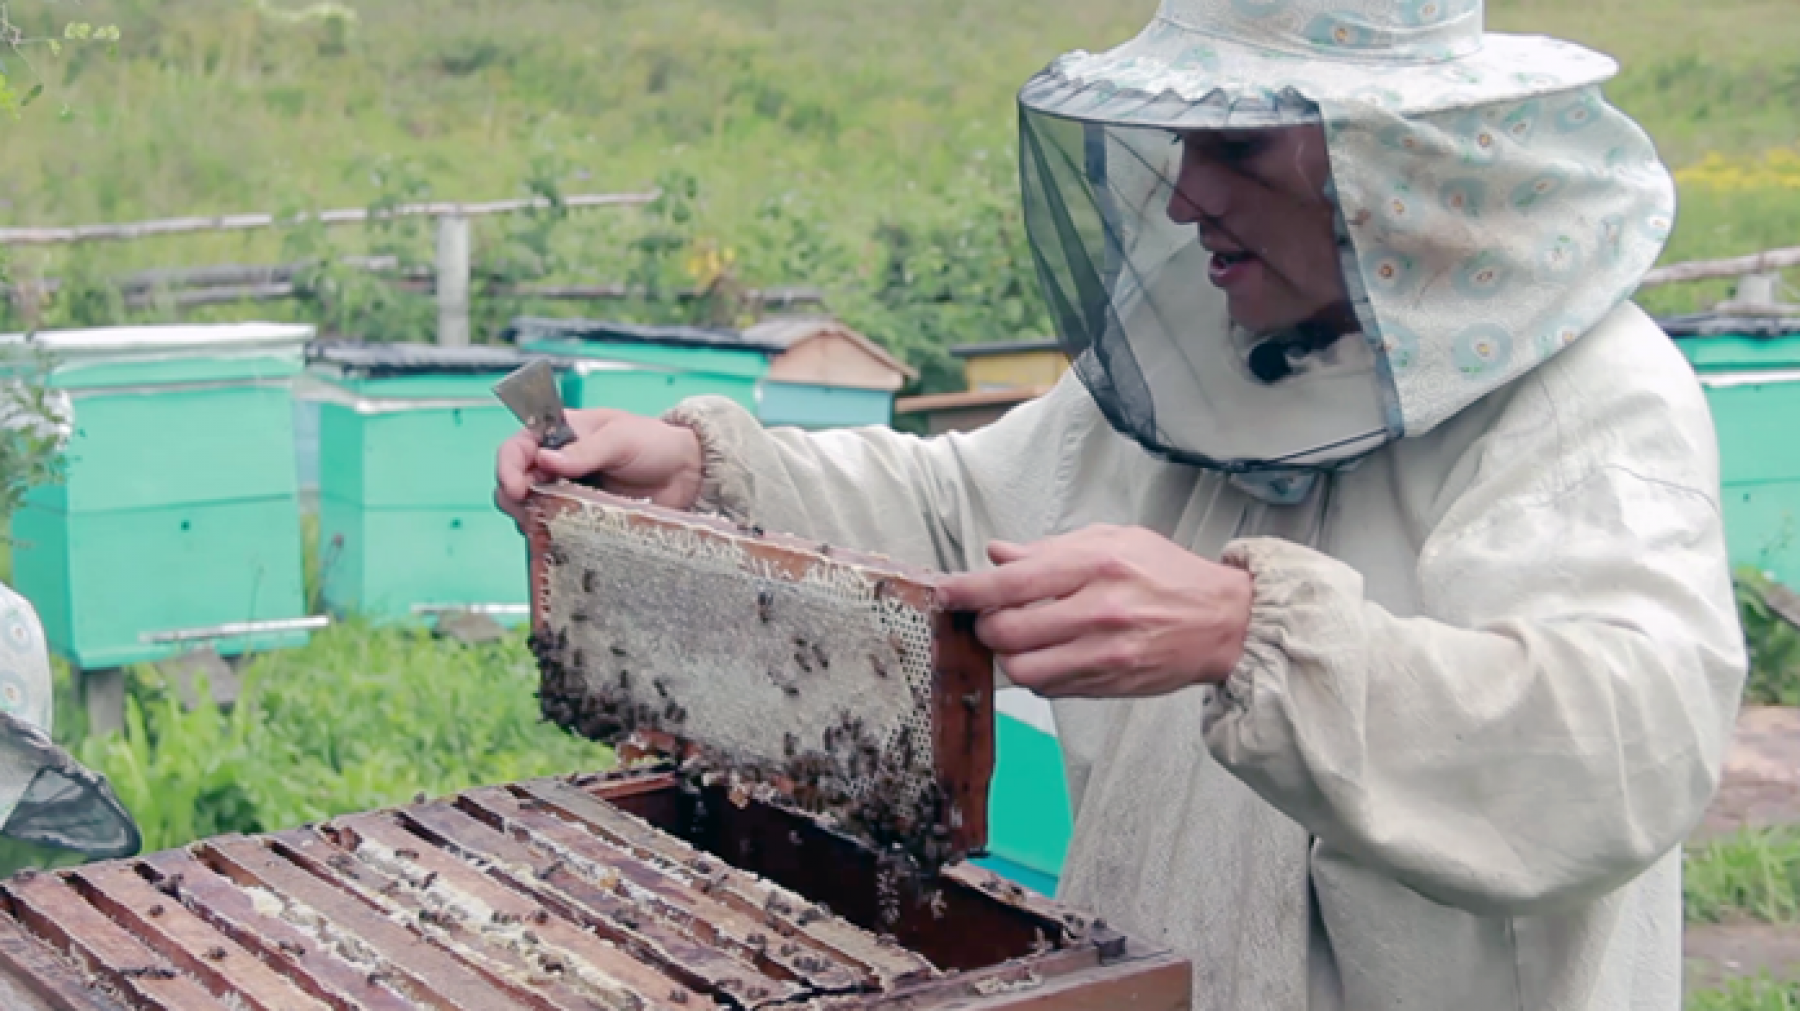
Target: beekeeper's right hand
631	455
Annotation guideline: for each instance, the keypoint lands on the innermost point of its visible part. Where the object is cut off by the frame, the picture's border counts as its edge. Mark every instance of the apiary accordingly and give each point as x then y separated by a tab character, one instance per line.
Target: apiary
206	511
808	739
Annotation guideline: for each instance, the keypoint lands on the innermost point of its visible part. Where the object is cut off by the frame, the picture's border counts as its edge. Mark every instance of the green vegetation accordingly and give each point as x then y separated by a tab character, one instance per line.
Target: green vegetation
30	447
1754	994
1774	645
358	719
865	149
1752	875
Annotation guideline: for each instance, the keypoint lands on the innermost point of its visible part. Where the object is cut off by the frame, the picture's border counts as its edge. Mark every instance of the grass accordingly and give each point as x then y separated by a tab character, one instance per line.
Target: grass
1774	645
1751	875
360	718
868	149
363	716
1754	994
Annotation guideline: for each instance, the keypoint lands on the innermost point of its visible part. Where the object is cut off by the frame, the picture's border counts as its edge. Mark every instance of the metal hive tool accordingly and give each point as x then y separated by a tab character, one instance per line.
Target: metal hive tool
596	893
793	672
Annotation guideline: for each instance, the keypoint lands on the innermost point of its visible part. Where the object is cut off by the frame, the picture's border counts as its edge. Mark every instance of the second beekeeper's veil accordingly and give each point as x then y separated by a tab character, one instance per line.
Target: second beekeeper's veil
46	796
1265	309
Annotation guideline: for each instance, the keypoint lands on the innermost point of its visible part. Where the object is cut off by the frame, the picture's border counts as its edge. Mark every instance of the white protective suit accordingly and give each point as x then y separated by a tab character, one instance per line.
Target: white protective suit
1484	698
1493	659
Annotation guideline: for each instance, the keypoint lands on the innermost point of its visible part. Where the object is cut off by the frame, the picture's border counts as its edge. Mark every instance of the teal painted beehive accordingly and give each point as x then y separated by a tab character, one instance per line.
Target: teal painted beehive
407	523
825	375
646	369
177	520
1029	817
1750	368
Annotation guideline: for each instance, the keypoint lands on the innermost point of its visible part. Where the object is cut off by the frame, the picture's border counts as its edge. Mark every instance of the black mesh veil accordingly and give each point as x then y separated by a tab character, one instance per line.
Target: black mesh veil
1196	282
66	805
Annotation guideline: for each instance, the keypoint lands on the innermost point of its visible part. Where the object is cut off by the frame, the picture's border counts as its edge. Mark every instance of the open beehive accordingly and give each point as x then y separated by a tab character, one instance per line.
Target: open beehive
621	891
799	673
818	738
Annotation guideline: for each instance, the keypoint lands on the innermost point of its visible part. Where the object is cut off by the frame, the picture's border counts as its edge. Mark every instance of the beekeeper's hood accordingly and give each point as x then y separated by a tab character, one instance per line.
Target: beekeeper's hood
46	796
1237	298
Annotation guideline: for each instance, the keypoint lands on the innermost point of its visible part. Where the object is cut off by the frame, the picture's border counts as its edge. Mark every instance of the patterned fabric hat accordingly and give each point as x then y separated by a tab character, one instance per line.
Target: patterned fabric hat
1215	63
1492	208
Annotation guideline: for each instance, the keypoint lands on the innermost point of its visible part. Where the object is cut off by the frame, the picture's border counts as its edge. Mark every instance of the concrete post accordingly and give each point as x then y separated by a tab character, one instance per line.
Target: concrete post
453	280
1758	289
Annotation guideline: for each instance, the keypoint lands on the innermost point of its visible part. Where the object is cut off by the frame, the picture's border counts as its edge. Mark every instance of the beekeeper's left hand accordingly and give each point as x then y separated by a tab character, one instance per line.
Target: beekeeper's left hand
1107	612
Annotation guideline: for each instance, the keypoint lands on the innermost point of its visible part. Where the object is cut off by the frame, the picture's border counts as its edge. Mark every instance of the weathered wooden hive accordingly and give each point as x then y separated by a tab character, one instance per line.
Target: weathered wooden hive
818	738
601	892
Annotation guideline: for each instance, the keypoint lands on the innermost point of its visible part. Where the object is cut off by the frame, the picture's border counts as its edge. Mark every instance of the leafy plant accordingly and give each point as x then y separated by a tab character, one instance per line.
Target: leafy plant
1773	643
333	23
1761	993
1754	874
655	272
33	421
17	43
184	773
343	298
86	297
360	718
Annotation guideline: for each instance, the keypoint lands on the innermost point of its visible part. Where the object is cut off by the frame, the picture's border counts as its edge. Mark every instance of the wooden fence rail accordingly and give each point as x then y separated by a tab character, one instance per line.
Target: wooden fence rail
245	222
451	281
1736	266
223	284
453	248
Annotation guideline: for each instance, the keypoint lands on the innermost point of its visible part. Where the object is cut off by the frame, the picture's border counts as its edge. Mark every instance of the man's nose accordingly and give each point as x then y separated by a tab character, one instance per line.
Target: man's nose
1202	192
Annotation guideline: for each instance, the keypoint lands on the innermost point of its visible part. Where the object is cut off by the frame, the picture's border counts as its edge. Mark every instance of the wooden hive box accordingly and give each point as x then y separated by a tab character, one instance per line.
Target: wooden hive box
618	891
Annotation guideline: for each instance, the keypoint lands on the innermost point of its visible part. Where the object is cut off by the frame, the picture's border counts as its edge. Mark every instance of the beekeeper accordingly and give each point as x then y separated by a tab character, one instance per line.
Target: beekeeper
46	797
1371	552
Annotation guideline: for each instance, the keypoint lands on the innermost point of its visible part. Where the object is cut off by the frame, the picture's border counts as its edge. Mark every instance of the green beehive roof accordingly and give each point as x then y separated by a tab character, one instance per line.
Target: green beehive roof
684	348
532	328
1723	342
414	370
387	360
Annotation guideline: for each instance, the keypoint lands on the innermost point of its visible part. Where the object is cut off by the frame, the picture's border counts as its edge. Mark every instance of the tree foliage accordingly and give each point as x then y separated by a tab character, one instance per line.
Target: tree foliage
20	48
32	422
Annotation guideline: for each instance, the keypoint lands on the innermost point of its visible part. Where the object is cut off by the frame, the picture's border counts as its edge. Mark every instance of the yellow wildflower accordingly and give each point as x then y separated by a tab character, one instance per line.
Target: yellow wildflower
1776	169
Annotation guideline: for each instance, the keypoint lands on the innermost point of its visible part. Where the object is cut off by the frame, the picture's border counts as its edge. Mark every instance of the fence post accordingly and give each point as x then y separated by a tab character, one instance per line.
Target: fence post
103	692
453	280
28	297
1758	289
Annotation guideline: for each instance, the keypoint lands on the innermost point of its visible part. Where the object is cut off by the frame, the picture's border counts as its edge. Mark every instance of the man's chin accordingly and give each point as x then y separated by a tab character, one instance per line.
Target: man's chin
1262	319
1258	319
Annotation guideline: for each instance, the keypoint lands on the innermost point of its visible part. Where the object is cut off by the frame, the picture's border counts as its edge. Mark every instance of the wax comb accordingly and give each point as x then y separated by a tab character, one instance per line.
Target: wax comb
785	671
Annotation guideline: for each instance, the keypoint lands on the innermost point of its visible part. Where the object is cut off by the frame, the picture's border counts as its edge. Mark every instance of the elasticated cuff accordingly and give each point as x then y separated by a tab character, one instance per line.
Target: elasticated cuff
1270	595
724	486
